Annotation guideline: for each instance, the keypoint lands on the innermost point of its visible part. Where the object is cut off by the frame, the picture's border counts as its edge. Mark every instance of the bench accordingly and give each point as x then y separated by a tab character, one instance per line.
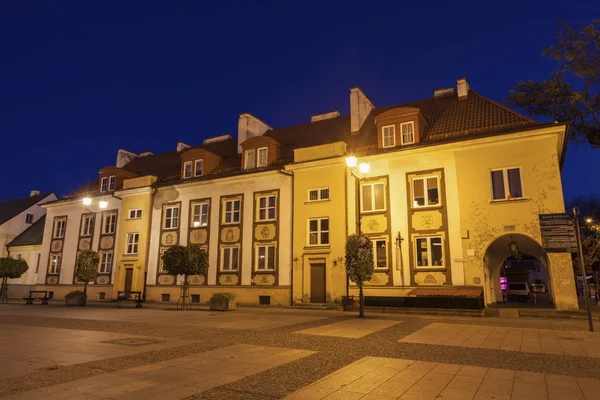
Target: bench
136	297
41	295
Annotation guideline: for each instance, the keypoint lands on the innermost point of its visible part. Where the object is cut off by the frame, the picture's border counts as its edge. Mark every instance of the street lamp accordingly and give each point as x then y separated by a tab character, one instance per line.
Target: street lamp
87	201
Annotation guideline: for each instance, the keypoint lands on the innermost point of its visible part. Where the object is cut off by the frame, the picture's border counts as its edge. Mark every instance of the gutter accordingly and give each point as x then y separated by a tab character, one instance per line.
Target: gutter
563	153
288	173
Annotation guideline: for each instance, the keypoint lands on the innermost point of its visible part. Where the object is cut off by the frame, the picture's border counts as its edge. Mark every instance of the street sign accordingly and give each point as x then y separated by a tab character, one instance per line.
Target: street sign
558	233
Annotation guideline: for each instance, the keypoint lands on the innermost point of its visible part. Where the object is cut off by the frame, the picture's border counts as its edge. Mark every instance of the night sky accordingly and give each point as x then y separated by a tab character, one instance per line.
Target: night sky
80	80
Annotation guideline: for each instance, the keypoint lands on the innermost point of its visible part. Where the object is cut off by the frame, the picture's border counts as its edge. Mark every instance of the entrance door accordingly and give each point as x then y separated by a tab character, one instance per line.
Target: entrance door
317	283
128	280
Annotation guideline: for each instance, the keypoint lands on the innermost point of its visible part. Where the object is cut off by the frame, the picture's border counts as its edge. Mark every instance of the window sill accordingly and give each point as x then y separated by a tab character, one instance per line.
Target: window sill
198	227
429	269
425	208
130	255
225	271
265	220
318	249
363	212
316	201
518	200
264	271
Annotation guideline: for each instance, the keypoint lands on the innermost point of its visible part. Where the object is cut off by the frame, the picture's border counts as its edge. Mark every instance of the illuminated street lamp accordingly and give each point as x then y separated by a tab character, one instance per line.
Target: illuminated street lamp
363	169
87	201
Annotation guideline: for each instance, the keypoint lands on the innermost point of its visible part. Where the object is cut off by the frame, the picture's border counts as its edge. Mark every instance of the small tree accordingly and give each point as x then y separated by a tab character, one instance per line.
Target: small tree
10	268
86	267
359	264
186	261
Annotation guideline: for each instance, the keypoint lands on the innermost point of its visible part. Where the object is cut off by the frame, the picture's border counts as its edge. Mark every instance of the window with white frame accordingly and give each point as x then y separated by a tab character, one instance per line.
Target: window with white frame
29	218
380	252
86	225
110	223
60	225
262	157
249	159
111	183
135	213
265	257
132	243
199	167
199	214
230	258
408	132
388	136
104	184
171	217
232	211
429	251
318	194
266	207
426	191
318	231
187	169
106	258
373	197
506	184
54	264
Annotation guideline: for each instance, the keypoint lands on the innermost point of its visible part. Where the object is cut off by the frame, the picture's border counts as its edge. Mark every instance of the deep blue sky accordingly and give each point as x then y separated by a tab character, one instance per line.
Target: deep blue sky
80	79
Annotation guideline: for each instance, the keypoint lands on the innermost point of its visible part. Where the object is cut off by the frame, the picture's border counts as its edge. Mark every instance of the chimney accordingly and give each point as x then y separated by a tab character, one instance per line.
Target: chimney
328	115
182	146
360	107
124	156
34	193
462	88
250	126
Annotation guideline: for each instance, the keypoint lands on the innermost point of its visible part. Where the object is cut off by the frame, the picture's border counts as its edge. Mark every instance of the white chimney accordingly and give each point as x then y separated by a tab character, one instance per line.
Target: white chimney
250	126
321	117
34	193
182	146
360	107
124	156
462	88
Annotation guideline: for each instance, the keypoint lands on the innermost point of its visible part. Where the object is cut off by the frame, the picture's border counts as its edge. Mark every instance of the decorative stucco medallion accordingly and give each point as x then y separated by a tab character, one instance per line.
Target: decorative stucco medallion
85	244
430	279
166	279
427	220
477	280
198	236
230	234
52	280
265	232
379	279
228	279
56	245
374	224
196	280
103	280
266	279
169	238
107	242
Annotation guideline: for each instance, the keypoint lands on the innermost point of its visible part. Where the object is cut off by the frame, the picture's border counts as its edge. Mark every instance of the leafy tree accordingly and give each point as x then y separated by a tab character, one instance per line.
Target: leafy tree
359	264
10	268
573	92
186	261
86	267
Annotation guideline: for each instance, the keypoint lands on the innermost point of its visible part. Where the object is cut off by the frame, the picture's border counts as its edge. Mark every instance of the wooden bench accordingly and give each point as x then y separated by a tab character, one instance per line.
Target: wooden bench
41	295
136	297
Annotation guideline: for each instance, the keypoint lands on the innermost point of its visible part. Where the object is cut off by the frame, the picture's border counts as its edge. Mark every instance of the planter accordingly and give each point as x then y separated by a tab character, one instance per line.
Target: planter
222	304
78	300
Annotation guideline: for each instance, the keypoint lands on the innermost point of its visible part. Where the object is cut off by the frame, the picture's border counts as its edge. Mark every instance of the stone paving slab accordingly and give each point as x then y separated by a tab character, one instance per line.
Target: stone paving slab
353	328
527	340
173	379
28	348
378	378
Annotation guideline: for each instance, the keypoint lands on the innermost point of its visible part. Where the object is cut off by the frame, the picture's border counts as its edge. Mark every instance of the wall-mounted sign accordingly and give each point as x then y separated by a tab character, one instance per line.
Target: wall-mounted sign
558	233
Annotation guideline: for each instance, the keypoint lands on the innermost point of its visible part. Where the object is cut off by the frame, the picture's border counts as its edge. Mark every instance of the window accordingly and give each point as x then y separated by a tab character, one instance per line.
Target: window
59	228
132	243
408	132
54	264
318	231
200	214
110	222
135	213
425	191
429	251
249	159
380	251
318	194
232	211
29	218
171	217
187	169
105	262
373	197
265	257
262	157
86	225
104	184
266	208
111	183
230	259
388	134
199	165
506	184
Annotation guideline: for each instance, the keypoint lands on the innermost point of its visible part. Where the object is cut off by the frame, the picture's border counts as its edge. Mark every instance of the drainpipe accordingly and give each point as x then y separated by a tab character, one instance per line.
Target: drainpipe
154	190
288	173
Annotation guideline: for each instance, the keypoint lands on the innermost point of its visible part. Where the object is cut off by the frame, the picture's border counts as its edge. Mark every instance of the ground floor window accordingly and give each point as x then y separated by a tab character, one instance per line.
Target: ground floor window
380	253
265	257
230	258
429	251
54	264
105	262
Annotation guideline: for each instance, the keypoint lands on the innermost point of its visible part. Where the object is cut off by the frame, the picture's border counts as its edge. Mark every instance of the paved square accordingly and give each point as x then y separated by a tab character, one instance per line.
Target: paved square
527	340
27	348
173	379
352	328
377	378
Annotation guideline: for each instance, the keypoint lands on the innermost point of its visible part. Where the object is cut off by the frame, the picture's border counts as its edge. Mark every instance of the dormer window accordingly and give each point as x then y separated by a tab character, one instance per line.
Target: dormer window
262	157
388	136
408	132
104	184
111	183
249	159
199	164
187	170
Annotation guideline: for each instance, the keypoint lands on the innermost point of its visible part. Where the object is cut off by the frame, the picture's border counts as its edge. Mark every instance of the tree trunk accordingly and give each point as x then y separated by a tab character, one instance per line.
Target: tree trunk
361	300
85	289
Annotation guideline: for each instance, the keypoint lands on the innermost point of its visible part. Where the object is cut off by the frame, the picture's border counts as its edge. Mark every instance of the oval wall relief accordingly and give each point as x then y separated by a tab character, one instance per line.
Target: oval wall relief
57	245
103	280
107	242
85	244
52	280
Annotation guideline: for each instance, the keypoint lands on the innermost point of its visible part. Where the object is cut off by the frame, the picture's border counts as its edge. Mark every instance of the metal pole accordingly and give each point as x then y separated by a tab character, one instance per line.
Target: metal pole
588	305
358	229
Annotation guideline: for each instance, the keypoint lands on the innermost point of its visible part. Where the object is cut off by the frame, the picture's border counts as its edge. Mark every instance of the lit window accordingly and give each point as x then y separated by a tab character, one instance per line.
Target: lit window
230	259
265	257
232	211
110	223
506	184
266	207
171	217
111	183
318	194
104	184
199	214
132	243
187	169
373	197
380	250
262	157
198	167
429	251
29	218
54	264
318	231
388	134
86	225
249	159
59	228
426	192
105	262
135	213
408	132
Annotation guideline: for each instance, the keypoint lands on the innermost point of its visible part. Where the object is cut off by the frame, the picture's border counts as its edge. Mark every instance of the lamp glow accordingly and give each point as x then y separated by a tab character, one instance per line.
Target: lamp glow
364	168
351	161
588	220
87	201
196	224
103	204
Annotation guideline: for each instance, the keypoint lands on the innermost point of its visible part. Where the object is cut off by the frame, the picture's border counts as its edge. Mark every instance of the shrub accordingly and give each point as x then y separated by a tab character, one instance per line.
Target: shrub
74	293
227	297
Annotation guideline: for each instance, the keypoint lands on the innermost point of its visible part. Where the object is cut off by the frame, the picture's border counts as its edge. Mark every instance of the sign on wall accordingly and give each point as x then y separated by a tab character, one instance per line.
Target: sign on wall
558	233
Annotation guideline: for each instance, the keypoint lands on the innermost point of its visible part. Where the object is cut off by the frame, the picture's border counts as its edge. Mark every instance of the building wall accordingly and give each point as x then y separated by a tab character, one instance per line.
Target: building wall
20	287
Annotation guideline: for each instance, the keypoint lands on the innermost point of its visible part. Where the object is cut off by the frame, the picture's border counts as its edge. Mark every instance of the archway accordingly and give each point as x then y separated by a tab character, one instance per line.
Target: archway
515	264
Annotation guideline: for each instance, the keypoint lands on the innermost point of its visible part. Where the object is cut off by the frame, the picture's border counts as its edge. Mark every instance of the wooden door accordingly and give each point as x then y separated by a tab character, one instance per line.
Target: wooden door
128	280
317	283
